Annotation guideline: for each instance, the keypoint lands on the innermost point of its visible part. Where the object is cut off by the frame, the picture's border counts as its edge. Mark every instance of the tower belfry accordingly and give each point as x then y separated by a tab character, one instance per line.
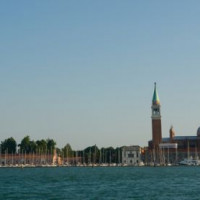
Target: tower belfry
156	120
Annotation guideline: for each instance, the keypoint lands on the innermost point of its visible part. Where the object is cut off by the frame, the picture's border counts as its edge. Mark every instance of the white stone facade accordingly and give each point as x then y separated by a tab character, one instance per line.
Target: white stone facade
131	155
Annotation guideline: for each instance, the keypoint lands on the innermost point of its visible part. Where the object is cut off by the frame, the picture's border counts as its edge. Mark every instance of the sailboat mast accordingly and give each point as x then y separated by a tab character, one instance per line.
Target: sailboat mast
188	150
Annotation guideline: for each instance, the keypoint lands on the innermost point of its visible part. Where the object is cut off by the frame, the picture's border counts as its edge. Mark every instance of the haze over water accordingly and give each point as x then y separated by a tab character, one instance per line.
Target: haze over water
163	183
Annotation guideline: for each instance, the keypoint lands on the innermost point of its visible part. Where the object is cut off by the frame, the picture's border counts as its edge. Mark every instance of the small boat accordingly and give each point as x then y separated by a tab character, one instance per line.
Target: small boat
190	162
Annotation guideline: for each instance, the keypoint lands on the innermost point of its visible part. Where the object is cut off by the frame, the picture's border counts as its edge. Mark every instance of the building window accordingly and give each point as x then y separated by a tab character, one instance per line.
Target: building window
130	155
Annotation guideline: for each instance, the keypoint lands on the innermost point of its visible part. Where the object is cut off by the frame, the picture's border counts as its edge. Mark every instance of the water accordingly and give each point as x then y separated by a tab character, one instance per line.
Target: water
152	183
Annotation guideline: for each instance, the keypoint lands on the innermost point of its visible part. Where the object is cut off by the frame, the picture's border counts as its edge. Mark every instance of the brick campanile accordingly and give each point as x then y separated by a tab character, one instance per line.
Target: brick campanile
156	120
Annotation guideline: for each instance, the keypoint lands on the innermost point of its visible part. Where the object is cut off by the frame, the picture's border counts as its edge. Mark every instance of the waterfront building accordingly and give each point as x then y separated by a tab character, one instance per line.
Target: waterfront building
172	149
187	146
131	155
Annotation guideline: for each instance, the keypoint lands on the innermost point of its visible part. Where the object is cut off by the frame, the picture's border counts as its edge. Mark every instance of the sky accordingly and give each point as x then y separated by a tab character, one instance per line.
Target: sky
83	72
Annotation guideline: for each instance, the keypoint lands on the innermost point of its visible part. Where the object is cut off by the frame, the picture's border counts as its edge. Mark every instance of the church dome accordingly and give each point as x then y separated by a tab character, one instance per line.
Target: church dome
198	132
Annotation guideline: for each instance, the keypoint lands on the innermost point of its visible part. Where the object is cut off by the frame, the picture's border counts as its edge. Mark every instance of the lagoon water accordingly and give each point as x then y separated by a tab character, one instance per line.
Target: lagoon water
152	183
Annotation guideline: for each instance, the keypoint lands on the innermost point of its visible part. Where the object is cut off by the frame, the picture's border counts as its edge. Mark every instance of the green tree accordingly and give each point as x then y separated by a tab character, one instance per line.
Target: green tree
59	151
33	146
41	146
51	144
9	145
109	155
118	154
67	151
25	145
91	154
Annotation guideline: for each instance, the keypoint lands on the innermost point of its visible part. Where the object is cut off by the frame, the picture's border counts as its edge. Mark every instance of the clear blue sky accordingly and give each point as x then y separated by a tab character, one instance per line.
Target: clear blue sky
82	72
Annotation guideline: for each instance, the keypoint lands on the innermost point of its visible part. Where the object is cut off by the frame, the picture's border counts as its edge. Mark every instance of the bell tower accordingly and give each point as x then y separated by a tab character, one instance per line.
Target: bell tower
156	120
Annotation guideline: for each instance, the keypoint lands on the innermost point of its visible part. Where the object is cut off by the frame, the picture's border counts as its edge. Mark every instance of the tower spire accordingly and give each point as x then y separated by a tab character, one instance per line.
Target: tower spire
155	100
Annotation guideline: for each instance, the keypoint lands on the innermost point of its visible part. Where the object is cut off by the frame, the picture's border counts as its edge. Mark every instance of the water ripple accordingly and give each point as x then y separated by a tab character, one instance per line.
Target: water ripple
174	183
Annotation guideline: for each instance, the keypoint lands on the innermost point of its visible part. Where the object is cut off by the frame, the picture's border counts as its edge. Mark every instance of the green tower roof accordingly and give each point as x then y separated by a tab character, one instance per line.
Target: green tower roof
155	100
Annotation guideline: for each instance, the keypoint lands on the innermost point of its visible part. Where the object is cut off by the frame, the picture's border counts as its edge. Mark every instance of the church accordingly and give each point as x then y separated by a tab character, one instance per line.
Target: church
171	149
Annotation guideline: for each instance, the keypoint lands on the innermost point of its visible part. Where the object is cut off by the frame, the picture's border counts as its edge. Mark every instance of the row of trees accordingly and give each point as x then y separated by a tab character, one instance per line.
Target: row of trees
91	154
27	145
104	155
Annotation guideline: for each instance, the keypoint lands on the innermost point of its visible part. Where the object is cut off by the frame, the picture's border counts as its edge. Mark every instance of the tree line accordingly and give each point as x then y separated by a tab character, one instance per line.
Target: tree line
91	154
27	145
